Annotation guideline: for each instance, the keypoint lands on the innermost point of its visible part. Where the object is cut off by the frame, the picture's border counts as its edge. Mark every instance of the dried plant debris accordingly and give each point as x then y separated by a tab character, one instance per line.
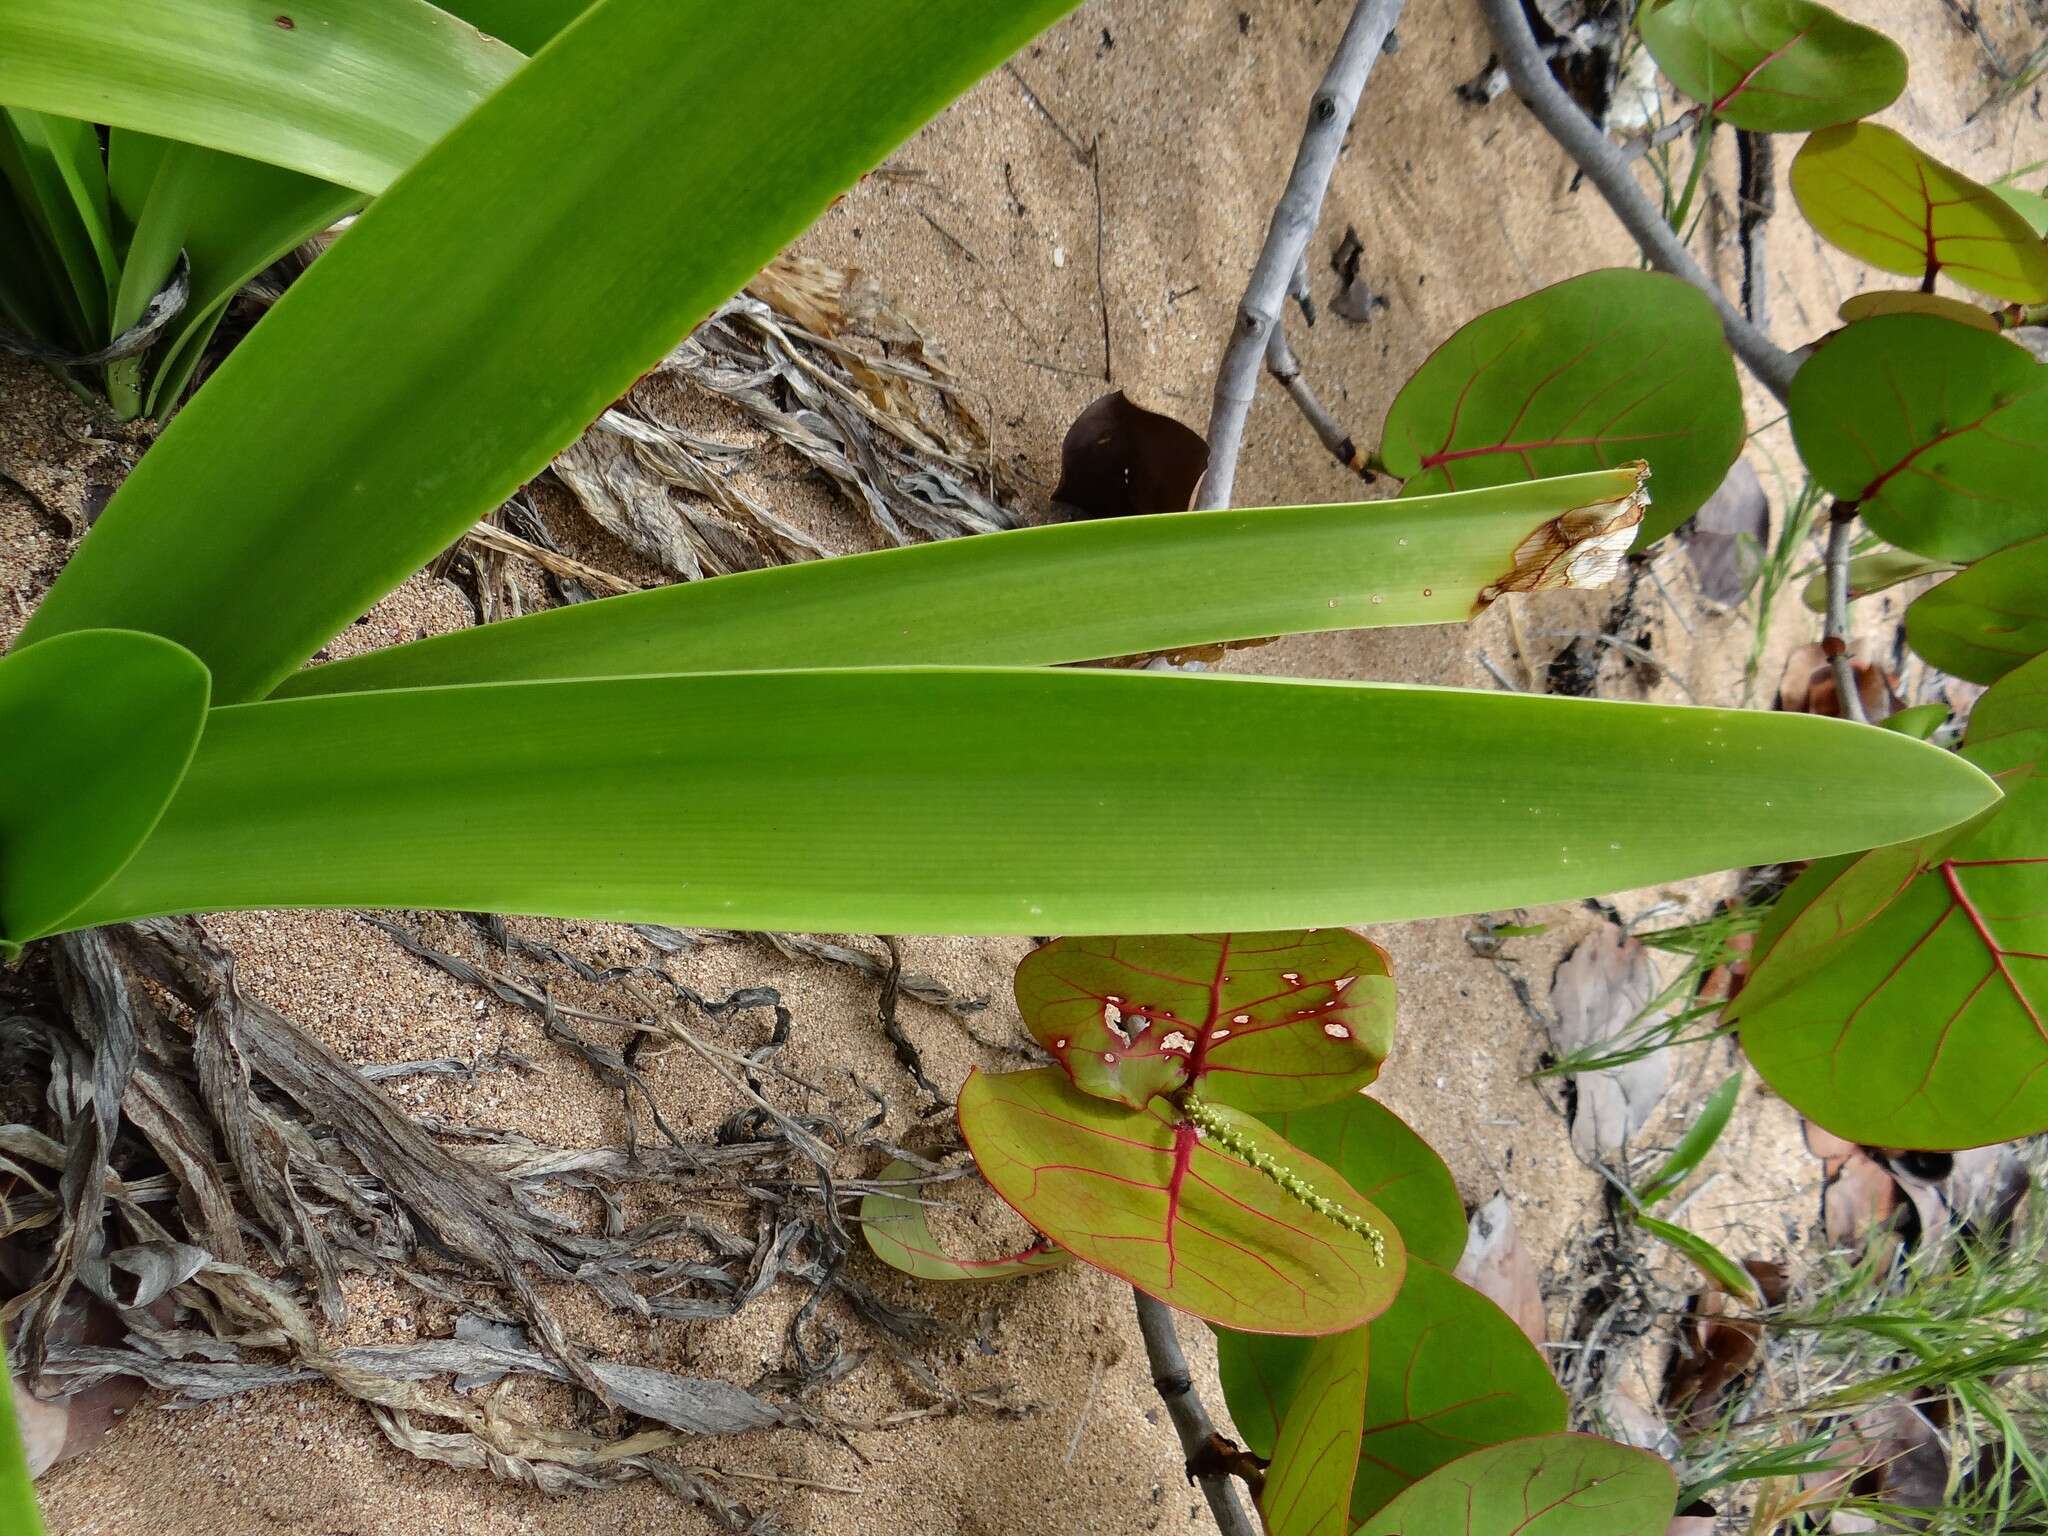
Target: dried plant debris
1355	299
1718	1348
197	1173
1120	460
1602	995
1925	1196
1727	537
1498	1267
814	362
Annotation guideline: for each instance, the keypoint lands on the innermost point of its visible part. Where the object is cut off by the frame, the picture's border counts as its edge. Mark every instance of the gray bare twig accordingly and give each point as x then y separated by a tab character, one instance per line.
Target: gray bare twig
1835	641
1608	169
1287	237
1190	1419
1286	368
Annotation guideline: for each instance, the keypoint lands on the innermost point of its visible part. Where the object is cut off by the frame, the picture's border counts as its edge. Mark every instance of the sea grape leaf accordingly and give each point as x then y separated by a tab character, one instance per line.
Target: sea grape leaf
1140	1193
1874	572
1451	1373
1121	460
1260	1372
2029	204
1547	1485
1308	1487
1909	301
1869	191
99	726
1588	373
1258	1020
896	1229
1378	1155
1773	66
1991	618
1939	431
1922	1020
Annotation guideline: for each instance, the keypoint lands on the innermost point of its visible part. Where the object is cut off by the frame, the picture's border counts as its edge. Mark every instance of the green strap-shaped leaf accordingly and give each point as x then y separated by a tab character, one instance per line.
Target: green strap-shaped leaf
1003	801
528	25
349	92
1385	1161
1983	623
98	726
1591	372
1031	597
1869	191
1920	1018
17	1490
1451	1373
1548	1485
1258	1020
900	1236
1308	1487
1773	66
616	189
1939	431
1144	1195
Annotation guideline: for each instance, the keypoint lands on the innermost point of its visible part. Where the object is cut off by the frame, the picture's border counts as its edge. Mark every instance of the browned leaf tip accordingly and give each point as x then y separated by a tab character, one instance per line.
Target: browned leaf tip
1120	460
1580	548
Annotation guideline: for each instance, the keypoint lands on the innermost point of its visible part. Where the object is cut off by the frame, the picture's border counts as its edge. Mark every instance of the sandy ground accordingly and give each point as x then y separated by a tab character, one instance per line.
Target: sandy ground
986	228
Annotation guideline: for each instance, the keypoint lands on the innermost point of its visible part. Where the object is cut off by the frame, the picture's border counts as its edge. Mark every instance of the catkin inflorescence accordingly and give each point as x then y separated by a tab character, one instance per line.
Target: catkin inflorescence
1214	1127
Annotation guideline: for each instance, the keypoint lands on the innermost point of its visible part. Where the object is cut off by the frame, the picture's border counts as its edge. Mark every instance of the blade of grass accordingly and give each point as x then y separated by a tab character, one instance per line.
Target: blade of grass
618	187
1037	596
348	92
1696	1143
969	801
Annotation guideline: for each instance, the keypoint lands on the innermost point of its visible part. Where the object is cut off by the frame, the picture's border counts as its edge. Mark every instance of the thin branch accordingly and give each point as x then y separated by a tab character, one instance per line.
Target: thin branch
1286	368
1835	637
1190	1419
1608	169
1287	237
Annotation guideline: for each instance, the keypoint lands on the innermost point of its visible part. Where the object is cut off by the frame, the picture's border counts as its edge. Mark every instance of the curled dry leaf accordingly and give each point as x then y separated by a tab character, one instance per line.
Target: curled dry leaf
1717	1348
1858	1195
1600	994
1498	1267
1891	1454
1808	686
1120	460
1727	537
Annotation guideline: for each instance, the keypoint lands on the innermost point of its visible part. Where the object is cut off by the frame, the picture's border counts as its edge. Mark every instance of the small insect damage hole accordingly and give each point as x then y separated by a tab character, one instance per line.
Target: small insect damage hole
285	23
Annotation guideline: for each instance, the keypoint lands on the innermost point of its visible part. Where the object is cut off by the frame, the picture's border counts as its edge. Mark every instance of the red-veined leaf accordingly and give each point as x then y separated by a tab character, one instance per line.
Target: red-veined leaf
1308	1488
1376	1153
1256	1020
1991	618
1907	1004
1939	432
1773	66
896	1229
1142	1194
1871	192
1586	374
1451	1373
1548	1485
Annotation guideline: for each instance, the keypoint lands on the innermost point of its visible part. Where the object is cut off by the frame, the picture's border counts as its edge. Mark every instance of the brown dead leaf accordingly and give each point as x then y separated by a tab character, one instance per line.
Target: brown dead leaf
1599	995
1858	1194
1727	536
1120	460
1698	1520
1891	1453
1807	686
1717	1348
1498	1267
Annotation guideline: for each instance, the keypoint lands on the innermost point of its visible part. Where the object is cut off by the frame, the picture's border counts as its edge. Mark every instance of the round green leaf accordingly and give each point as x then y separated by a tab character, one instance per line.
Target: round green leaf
1549	1485
1939	431
1910	301
1983	623
1308	1486
1912	1011
1377	1154
1867	190
1451	1373
1586	374
1140	1193
1258	1020
100	726
1774	66
896	1229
